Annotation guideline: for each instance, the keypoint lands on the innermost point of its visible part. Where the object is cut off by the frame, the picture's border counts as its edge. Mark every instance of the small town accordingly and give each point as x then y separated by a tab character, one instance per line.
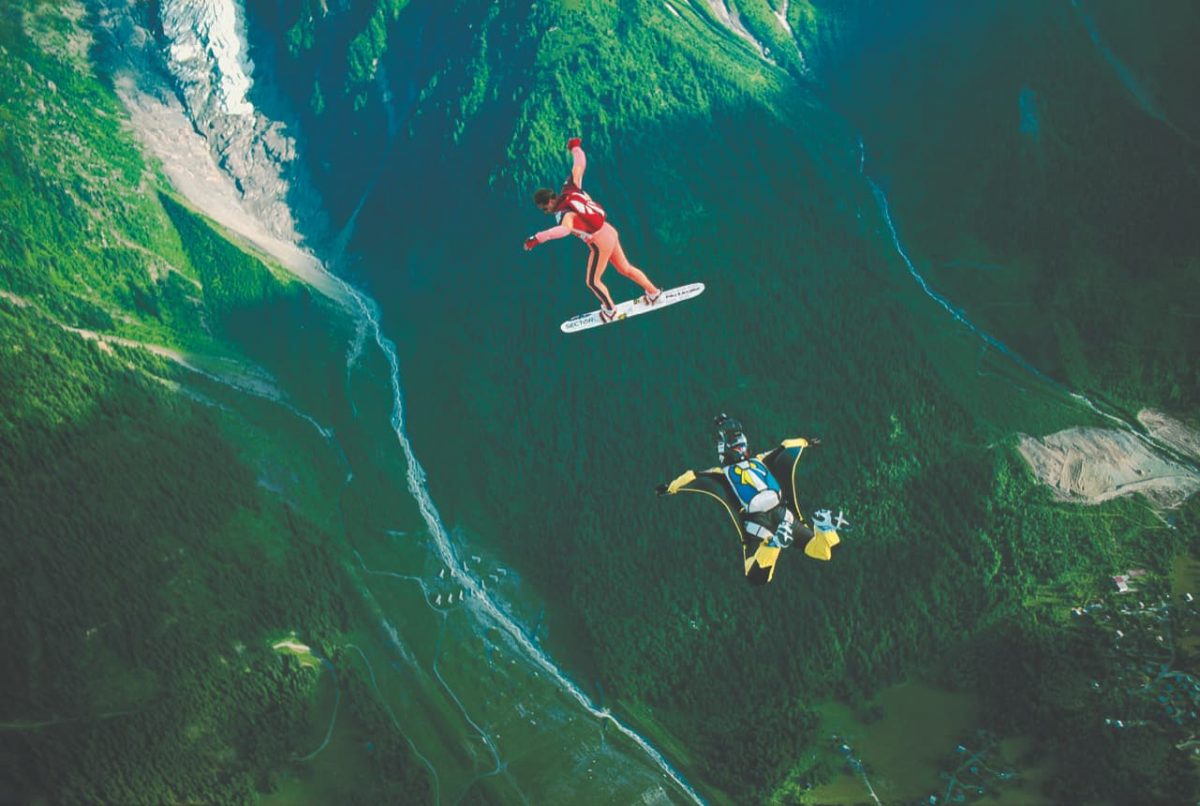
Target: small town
1148	638
979	771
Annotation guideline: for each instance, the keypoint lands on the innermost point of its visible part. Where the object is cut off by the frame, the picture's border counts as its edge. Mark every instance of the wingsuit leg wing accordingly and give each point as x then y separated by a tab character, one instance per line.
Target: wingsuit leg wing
758	557
820	547
760	562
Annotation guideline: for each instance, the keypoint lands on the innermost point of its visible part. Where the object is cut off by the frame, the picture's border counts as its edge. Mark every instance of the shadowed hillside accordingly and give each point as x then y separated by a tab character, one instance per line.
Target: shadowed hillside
718	166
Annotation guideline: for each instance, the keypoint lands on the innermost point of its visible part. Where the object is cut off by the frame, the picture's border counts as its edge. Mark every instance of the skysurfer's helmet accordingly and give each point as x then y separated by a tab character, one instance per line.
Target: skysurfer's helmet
731	441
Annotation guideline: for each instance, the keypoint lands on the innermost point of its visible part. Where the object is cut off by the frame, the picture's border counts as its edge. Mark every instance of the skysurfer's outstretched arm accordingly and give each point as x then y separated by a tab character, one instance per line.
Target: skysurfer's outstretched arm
552	234
561	231
575	146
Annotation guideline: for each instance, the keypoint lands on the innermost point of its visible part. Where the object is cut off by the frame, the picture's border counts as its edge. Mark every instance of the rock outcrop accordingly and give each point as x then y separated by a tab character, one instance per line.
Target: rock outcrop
1092	465
186	80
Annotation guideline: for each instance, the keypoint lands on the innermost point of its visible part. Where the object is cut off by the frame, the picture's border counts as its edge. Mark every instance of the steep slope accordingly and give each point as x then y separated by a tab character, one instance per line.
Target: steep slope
306	397
169	509
717	165
426	124
1041	162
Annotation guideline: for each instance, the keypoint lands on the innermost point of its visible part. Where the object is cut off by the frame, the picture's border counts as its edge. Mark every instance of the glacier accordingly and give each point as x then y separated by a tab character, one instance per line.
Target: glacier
205	53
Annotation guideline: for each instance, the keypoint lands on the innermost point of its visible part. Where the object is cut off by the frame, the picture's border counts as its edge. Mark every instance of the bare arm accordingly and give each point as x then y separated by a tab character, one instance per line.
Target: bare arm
552	234
560	231
567	225
580	163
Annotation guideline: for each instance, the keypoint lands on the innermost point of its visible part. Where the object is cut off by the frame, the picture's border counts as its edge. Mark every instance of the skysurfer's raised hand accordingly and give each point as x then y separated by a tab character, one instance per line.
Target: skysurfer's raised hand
575	146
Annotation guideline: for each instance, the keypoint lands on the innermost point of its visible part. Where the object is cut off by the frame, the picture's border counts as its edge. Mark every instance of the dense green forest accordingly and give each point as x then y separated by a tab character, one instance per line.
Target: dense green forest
171	513
1047	182
162	525
147	573
698	146
1027	154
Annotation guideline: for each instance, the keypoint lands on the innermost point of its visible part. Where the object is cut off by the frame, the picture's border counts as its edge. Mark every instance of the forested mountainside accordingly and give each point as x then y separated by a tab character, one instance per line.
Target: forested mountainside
723	158
925	232
1052	141
168	510
1041	160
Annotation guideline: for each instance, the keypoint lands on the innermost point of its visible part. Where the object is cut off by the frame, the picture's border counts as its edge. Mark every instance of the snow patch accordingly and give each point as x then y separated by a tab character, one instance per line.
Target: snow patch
206	52
238	168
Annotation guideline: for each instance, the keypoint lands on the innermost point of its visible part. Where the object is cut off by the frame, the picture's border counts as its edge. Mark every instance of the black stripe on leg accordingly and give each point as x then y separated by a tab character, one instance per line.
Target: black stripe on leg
593	262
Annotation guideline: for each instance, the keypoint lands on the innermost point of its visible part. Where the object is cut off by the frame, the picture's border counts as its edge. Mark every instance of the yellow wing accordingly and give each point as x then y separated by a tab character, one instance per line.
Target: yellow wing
758	558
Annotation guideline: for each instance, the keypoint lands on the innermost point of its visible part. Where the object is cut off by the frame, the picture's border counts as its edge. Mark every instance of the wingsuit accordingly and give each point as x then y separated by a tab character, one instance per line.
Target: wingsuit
765	512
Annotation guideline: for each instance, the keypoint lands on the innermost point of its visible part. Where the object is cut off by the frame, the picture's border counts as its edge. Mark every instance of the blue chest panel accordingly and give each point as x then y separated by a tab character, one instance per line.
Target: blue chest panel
750	478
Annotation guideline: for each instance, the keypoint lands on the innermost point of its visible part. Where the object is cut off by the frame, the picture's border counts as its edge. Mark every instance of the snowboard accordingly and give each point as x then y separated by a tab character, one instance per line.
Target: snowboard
633	307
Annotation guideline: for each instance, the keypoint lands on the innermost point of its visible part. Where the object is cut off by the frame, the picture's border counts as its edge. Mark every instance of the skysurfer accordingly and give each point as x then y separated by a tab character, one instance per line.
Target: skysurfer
578	214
